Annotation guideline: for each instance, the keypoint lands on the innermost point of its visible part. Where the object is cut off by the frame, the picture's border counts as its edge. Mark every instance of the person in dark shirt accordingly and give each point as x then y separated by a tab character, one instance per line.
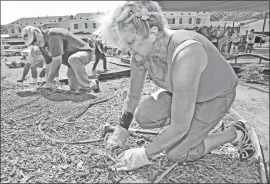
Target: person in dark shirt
90	43
250	41
59	46
99	52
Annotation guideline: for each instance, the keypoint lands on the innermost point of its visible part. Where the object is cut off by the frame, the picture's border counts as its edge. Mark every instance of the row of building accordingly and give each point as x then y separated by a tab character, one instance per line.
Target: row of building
84	24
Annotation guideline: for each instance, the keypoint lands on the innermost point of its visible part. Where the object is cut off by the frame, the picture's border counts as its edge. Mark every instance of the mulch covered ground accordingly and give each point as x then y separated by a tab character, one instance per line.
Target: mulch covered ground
31	120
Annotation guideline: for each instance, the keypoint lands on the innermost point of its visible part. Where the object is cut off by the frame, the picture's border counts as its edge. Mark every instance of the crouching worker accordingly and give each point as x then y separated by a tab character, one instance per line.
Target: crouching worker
34	61
198	88
59	46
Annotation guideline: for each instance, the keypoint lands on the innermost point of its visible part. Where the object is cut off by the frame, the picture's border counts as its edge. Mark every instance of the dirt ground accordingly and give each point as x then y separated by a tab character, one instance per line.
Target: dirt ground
31	119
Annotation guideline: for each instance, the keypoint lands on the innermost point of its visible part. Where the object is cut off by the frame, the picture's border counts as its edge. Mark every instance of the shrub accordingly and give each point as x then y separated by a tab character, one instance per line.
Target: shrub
252	73
13	64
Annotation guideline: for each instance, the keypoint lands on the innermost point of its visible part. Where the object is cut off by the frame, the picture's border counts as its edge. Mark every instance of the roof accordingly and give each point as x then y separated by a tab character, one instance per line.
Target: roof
258	25
86	16
221	23
38	20
215	6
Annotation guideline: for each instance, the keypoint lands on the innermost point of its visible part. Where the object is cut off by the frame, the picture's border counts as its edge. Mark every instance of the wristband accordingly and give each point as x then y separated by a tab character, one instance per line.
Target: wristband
126	119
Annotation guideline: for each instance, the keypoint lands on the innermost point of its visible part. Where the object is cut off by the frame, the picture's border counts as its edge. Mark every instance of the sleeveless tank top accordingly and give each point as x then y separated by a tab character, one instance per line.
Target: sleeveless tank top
218	77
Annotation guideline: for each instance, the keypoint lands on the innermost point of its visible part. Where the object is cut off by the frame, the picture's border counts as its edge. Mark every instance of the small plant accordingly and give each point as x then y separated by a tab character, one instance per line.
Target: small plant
252	73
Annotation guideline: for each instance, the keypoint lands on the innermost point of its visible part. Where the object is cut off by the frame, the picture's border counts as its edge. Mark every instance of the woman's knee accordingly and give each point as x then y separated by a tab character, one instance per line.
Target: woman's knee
146	121
140	117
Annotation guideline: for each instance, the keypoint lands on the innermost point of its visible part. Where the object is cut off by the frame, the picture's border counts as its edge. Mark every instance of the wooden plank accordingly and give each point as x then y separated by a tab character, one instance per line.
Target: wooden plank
253	87
120	64
252	55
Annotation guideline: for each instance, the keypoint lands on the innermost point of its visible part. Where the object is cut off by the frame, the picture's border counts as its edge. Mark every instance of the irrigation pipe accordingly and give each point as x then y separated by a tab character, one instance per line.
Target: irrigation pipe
77	142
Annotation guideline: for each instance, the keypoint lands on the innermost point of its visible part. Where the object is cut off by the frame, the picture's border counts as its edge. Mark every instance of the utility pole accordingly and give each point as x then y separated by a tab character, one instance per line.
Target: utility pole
263	27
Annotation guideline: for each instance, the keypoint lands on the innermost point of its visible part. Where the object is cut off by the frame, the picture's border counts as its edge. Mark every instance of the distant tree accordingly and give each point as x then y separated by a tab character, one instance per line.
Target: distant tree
237	16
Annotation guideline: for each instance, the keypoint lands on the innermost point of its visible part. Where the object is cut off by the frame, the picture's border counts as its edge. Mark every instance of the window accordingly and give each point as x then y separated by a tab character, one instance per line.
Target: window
198	20
94	25
12	30
20	30
14	47
86	25
76	26
190	20
180	20
171	20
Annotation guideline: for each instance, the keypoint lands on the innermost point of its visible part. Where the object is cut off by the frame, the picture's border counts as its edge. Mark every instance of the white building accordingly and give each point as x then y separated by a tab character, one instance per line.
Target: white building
82	24
187	20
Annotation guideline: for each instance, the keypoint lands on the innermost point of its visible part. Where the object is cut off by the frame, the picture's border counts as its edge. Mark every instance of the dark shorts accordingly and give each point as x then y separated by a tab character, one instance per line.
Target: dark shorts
250	44
236	43
155	112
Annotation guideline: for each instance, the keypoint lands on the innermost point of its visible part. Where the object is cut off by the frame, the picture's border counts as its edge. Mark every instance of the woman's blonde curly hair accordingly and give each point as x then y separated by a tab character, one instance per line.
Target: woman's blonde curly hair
142	15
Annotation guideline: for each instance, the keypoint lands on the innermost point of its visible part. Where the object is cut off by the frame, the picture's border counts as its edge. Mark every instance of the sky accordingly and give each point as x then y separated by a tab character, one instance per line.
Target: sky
14	10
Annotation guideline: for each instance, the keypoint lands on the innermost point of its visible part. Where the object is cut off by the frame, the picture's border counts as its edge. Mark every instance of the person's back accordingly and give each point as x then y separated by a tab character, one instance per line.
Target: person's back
218	77
63	42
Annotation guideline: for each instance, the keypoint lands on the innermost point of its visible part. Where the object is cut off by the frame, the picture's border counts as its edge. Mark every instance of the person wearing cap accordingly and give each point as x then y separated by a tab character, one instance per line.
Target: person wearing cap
59	46
34	61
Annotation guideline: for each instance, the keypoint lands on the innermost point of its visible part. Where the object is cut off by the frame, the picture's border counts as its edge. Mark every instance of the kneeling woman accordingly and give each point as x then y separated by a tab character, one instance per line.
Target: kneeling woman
198	88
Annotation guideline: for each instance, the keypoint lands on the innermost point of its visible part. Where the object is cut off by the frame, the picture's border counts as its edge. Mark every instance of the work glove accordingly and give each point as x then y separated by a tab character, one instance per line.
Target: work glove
42	73
118	137
132	159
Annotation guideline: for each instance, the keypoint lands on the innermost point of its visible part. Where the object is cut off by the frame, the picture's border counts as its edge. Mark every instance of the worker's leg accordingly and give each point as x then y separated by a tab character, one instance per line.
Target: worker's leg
232	47
198	142
77	62
25	72
38	64
155	111
251	47
104	63
96	62
72	80
236	48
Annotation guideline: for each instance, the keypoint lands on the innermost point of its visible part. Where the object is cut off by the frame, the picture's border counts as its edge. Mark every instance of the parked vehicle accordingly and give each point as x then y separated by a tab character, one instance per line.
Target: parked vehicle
15	50
4	47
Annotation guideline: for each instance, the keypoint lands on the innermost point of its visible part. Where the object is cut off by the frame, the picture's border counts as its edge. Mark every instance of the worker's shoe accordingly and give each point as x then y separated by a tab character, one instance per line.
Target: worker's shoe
21	79
243	143
96	87
118	137
34	81
42	73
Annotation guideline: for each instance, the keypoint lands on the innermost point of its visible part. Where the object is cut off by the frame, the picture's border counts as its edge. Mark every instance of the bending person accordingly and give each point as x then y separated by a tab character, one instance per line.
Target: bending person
199	87
59	46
